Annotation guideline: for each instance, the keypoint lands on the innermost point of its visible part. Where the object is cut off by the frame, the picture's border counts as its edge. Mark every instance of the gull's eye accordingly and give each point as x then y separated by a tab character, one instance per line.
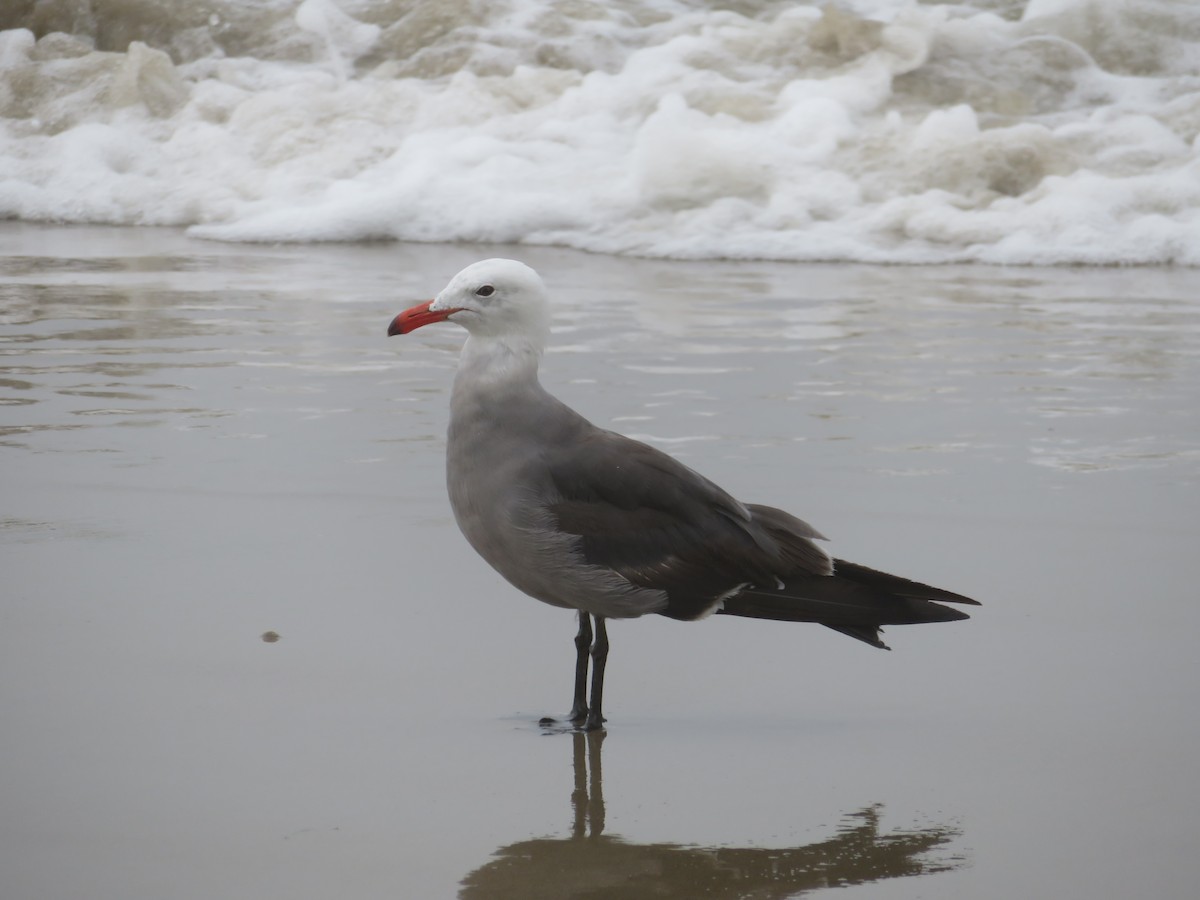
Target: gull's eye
485	291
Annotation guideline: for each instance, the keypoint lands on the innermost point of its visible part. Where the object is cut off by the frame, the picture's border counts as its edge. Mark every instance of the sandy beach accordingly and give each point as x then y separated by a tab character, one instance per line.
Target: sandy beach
201	443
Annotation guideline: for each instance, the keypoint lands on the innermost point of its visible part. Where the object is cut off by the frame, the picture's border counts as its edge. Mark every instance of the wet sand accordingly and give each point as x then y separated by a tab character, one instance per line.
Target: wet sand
202	443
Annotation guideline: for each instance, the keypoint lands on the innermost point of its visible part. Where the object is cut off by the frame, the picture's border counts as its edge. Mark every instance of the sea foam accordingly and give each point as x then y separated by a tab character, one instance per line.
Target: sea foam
1053	132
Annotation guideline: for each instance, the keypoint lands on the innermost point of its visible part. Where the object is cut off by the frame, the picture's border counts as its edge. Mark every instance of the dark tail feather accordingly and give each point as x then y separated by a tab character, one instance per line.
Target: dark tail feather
868	634
854	600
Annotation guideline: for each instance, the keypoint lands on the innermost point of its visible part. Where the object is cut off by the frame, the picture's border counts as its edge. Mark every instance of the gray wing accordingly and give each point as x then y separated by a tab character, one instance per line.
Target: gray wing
660	525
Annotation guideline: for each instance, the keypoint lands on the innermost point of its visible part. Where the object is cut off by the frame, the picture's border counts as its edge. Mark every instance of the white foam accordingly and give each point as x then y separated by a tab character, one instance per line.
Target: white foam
884	131
345	38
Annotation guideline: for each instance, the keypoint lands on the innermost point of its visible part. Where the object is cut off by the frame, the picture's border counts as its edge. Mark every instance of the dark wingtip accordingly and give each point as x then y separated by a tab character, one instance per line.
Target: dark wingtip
947	614
894	584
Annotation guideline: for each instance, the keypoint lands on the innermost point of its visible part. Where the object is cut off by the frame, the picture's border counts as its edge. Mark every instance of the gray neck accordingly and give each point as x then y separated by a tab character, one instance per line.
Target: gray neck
493	365
497	397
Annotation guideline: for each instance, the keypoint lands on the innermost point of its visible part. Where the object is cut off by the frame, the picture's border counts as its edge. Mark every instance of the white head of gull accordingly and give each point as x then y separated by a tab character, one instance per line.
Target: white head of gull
587	519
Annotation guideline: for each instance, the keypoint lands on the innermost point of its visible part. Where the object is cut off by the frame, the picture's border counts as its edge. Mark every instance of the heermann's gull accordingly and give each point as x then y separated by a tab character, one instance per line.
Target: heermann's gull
590	520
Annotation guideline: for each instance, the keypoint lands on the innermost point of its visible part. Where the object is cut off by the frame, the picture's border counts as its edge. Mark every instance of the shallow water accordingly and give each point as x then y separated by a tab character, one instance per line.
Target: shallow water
201	443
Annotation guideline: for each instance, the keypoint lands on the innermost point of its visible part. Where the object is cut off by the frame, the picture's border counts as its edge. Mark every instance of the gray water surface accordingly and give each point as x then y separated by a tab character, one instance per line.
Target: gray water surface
201	443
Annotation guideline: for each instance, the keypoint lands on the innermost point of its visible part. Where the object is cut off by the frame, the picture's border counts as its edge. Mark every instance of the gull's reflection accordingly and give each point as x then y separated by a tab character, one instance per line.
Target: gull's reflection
590	864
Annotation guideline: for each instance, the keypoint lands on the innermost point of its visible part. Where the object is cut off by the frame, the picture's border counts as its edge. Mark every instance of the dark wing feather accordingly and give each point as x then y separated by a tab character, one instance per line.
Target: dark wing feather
661	525
657	523
894	584
855	600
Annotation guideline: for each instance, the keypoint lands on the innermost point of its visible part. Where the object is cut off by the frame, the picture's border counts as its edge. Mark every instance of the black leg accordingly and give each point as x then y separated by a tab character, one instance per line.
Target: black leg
583	642
595	718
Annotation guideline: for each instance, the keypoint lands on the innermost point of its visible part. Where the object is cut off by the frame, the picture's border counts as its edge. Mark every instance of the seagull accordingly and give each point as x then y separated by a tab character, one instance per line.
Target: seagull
586	519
